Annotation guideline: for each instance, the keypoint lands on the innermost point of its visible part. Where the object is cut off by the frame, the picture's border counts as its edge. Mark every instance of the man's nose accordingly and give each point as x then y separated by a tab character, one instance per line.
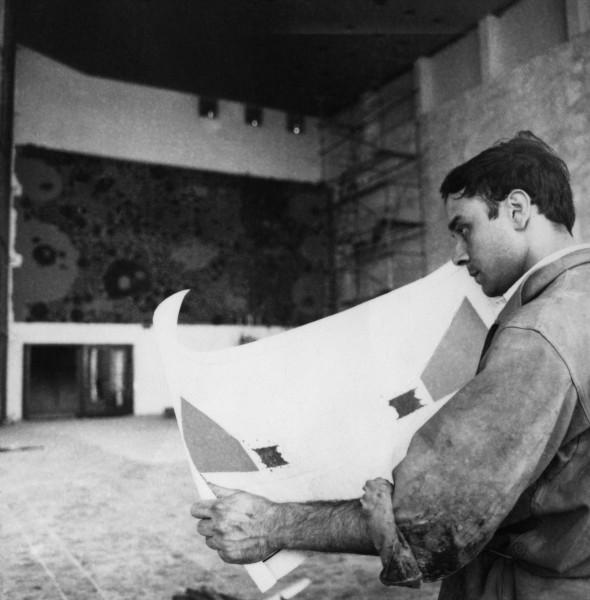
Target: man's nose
460	256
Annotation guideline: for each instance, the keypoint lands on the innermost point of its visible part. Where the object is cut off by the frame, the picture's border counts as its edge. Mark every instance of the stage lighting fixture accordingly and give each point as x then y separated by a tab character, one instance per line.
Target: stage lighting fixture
253	116
295	123
208	108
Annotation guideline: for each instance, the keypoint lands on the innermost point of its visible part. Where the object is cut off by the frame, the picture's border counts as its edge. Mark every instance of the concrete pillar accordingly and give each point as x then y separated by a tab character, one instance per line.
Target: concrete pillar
578	17
424	81
489	48
6	120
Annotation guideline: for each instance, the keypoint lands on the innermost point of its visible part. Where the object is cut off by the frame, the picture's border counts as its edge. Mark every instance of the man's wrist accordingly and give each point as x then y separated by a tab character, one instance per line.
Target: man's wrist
338	526
276	526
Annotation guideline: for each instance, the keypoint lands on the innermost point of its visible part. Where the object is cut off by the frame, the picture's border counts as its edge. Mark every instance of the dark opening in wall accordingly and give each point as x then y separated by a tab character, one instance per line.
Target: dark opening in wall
62	381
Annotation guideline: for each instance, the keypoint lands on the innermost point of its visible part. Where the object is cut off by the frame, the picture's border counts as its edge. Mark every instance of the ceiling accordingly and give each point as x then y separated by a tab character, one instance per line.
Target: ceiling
312	57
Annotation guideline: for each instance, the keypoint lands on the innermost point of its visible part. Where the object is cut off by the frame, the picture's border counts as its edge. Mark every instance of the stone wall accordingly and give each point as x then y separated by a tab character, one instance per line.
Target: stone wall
549	95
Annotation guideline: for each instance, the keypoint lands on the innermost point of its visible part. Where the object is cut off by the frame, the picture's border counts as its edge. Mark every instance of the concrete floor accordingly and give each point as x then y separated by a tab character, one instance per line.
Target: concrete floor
99	509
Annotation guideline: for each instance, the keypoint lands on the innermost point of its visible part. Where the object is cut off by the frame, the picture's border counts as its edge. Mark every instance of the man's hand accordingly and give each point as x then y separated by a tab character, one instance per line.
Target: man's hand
237	524
377	504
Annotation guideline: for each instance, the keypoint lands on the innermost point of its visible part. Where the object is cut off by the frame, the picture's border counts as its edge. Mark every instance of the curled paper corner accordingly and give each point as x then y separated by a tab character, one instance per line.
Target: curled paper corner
166	314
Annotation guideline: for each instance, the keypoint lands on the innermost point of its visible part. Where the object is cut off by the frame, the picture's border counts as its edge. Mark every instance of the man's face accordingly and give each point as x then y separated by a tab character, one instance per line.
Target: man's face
491	249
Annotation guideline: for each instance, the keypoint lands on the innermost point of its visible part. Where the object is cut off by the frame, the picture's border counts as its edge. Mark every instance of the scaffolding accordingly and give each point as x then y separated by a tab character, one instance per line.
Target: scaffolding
370	163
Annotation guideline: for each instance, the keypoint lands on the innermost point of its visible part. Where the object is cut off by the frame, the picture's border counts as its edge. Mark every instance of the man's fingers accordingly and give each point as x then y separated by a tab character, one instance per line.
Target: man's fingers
205	527
230	558
210	541
378	481
202	509
221	491
377	492
377	484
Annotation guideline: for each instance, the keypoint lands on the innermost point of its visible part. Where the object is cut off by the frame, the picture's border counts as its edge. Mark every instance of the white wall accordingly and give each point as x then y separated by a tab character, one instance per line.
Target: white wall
150	391
61	108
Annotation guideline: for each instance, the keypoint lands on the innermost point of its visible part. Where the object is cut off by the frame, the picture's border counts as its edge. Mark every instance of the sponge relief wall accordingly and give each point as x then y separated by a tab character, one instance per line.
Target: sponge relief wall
105	241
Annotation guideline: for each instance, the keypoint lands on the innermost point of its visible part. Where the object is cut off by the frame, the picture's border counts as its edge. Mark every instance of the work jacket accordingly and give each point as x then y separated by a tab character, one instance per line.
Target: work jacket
494	494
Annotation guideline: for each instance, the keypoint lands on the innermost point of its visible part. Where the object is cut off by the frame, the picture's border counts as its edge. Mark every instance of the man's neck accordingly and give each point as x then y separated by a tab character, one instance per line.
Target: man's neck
546	243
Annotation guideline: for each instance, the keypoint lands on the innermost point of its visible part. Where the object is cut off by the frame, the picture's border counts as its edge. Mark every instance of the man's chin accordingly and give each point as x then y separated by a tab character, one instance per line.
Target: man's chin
486	288
491	292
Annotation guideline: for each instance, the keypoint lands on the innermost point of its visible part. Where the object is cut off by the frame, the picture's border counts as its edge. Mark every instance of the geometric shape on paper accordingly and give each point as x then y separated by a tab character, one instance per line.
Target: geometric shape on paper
212	448
406	403
271	456
455	359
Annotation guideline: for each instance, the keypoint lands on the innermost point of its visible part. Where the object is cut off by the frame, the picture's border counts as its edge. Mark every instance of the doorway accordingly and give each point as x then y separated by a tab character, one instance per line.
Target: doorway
64	381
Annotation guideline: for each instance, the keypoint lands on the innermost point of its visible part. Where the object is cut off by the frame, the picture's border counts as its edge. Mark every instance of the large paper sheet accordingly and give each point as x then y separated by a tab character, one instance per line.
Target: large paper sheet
314	412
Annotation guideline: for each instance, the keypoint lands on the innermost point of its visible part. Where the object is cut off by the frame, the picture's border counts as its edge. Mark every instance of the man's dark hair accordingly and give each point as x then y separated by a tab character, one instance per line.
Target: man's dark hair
524	162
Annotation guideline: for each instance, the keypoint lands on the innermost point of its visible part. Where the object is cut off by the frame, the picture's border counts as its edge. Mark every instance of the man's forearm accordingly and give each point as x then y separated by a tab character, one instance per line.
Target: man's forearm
246	528
338	526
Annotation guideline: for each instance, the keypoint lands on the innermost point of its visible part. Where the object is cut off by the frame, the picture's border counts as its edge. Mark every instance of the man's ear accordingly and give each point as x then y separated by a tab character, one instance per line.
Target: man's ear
519	206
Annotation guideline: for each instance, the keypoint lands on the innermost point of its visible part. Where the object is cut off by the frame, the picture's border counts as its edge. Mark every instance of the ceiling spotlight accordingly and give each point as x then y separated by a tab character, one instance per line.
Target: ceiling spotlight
295	123
253	116
208	107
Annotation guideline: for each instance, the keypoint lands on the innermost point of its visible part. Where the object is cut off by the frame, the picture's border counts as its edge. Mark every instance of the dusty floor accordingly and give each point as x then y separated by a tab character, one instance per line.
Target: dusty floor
99	509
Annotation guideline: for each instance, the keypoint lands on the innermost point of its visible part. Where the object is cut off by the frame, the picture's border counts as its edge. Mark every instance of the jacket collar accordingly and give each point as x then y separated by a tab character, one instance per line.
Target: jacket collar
534	285
540	279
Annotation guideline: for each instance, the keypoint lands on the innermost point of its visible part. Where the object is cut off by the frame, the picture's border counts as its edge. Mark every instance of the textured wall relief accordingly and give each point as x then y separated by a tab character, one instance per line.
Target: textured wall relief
105	240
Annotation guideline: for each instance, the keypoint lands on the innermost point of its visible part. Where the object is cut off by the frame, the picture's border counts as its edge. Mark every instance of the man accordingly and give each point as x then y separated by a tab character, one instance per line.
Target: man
494	494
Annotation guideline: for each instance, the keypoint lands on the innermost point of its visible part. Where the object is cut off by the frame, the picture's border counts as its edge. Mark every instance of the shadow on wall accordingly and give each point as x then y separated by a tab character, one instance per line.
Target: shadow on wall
104	241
